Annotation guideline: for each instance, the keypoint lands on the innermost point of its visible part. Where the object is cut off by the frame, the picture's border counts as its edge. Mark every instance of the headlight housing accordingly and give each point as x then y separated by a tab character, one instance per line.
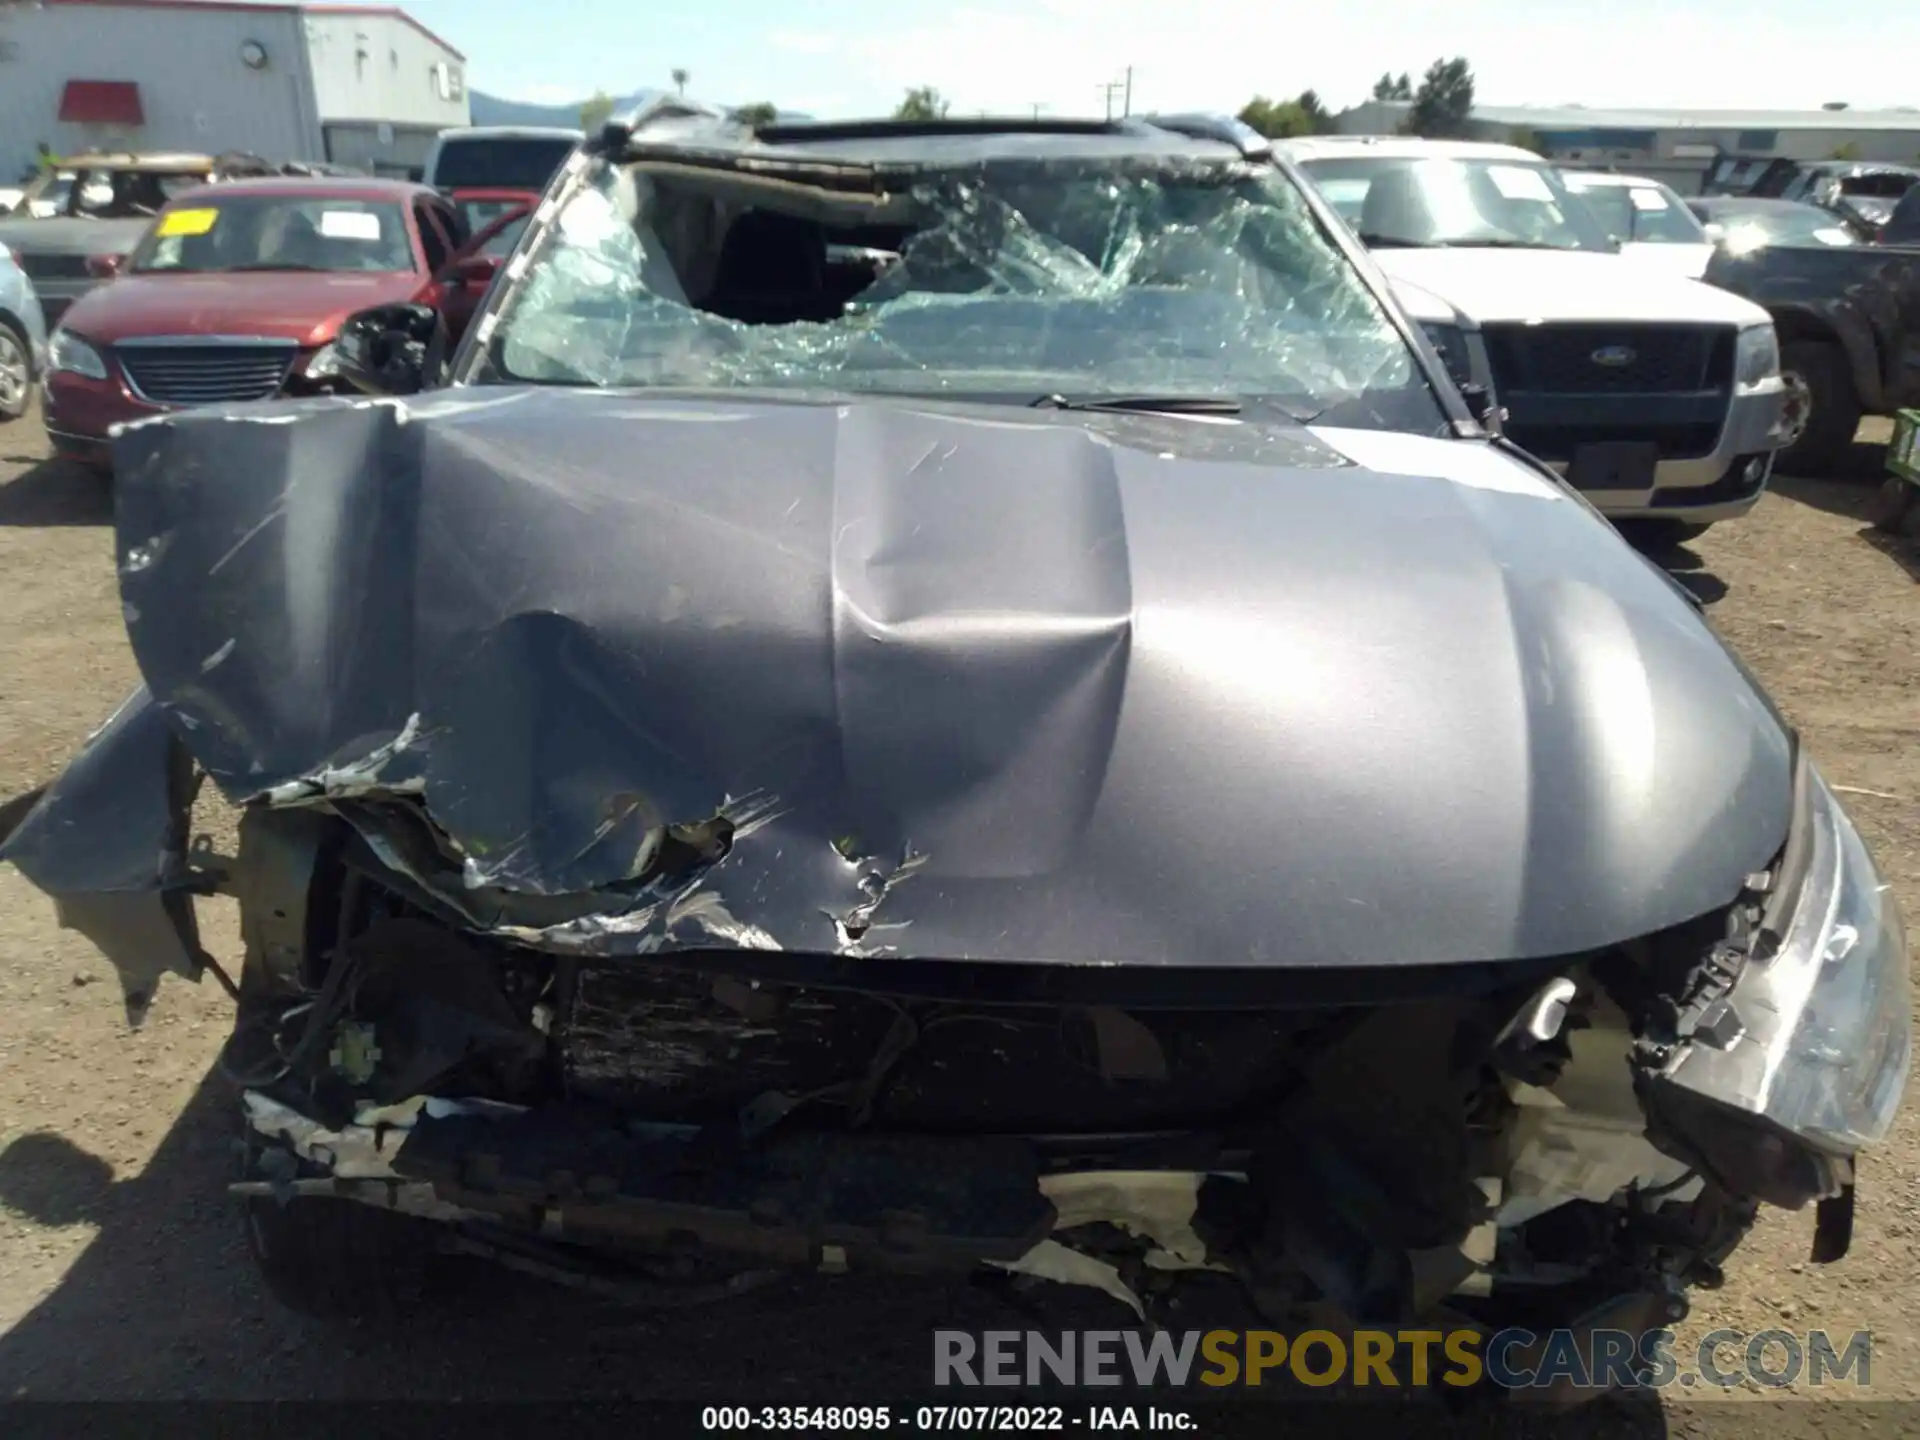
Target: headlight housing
324	364
1818	1035
75	356
1757	355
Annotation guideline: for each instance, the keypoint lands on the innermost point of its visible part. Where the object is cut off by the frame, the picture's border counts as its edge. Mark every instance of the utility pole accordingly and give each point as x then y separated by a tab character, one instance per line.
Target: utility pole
1124	88
1126	107
1107	92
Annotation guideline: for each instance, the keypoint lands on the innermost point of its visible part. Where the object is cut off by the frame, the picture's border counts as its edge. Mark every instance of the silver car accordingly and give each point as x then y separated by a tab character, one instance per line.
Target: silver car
23	338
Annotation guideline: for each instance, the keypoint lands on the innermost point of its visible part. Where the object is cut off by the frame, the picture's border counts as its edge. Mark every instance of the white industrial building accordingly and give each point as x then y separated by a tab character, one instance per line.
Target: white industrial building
358	85
1678	146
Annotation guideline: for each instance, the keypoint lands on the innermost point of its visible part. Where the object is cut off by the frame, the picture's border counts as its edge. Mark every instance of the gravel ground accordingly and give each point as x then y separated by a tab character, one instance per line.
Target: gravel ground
122	1273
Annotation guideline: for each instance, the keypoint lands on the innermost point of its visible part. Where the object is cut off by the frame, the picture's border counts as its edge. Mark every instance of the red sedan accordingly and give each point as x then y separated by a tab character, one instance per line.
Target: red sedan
237	291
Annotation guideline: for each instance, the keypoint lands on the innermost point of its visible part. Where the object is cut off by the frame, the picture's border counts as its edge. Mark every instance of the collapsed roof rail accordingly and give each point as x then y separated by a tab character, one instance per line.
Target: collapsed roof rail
1228	129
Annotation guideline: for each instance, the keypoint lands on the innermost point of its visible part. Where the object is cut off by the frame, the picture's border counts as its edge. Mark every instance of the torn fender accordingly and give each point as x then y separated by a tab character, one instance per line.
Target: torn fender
108	841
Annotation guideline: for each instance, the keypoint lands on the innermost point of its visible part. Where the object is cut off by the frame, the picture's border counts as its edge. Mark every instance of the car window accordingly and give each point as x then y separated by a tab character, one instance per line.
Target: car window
432	241
503	162
203	235
453	220
1640	214
1008	279
479	214
1904	226
1454	201
1885	185
506	237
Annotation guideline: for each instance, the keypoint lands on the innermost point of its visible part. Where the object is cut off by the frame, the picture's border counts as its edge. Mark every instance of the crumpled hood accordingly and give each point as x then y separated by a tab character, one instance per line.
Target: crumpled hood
1521	285
973	682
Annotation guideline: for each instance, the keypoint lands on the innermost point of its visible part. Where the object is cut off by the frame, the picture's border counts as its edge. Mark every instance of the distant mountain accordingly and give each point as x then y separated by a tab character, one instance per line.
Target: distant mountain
494	110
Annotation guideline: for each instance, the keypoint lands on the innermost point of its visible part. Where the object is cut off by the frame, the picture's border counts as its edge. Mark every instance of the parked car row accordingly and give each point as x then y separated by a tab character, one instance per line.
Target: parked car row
917	696
232	282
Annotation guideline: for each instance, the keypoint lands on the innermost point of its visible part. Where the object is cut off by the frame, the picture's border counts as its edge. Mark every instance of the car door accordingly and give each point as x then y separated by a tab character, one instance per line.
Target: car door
435	251
464	281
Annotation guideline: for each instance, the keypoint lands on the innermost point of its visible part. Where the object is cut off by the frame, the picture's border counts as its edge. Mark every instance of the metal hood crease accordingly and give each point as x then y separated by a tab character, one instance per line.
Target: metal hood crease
953	686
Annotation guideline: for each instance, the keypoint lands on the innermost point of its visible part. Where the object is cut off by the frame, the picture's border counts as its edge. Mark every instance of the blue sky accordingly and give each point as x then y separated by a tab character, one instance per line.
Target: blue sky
841	57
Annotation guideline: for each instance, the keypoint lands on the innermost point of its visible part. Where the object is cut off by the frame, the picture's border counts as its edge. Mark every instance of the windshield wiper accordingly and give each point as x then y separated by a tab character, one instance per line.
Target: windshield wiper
1149	404
1392	242
272	265
1503	242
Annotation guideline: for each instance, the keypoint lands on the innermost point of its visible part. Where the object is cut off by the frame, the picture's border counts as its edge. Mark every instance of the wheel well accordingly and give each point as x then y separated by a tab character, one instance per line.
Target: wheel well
1795	328
19	327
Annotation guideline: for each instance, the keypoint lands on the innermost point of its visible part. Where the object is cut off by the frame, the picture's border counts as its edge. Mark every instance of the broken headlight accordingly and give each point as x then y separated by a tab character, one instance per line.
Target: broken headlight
1814	1037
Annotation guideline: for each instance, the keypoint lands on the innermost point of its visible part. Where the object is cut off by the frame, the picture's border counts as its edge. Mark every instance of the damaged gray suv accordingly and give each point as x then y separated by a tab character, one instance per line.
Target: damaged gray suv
930	697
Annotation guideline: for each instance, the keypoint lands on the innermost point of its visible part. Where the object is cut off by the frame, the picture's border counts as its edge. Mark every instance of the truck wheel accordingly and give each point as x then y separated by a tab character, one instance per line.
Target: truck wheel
1822	412
16	372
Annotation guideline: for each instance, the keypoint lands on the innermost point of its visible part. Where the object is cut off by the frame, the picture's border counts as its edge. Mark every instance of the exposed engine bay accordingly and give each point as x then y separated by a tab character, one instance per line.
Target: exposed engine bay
1475	1143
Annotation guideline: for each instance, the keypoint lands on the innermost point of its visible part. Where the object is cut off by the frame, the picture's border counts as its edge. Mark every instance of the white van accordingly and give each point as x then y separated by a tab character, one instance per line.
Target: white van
498	157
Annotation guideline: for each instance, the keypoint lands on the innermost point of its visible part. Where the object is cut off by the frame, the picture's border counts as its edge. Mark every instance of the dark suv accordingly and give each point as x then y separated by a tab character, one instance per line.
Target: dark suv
928	696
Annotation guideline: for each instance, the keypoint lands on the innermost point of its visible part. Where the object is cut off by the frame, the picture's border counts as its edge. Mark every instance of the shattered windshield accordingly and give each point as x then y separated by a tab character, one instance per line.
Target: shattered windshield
1009	279
1459	202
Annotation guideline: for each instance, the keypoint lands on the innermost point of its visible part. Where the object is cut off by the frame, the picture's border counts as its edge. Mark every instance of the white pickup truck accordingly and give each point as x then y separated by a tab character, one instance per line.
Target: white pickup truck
1658	397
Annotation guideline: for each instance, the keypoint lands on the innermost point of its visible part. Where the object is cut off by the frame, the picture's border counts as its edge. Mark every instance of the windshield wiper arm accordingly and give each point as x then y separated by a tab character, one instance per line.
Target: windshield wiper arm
1150	404
1391	242
1503	242
272	265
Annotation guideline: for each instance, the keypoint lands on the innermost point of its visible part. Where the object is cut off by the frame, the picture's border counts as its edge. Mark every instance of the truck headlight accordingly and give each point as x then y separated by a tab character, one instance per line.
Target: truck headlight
74	355
1816	1037
1757	355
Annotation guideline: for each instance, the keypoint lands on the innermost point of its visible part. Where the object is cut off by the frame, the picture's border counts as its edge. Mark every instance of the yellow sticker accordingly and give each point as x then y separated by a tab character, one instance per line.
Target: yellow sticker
187	222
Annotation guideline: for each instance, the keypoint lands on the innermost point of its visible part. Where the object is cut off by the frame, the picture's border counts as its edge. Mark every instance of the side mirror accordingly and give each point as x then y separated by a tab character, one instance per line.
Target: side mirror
390	349
475	270
1480	404
105	267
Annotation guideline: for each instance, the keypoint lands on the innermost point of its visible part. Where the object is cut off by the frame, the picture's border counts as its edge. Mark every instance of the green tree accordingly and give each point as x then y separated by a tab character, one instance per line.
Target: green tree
1443	104
1319	120
596	112
761	112
923	102
1280	119
1275	119
1848	151
1393	87
680	78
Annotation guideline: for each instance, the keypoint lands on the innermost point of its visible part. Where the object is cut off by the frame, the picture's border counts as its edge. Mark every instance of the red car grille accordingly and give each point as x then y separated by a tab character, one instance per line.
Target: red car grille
206	373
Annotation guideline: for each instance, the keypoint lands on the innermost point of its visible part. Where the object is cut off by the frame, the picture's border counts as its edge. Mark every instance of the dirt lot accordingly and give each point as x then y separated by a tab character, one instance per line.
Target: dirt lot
122	1273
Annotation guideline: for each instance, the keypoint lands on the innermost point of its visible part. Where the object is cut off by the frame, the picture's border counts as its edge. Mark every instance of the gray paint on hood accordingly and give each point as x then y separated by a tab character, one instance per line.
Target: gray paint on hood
974	682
